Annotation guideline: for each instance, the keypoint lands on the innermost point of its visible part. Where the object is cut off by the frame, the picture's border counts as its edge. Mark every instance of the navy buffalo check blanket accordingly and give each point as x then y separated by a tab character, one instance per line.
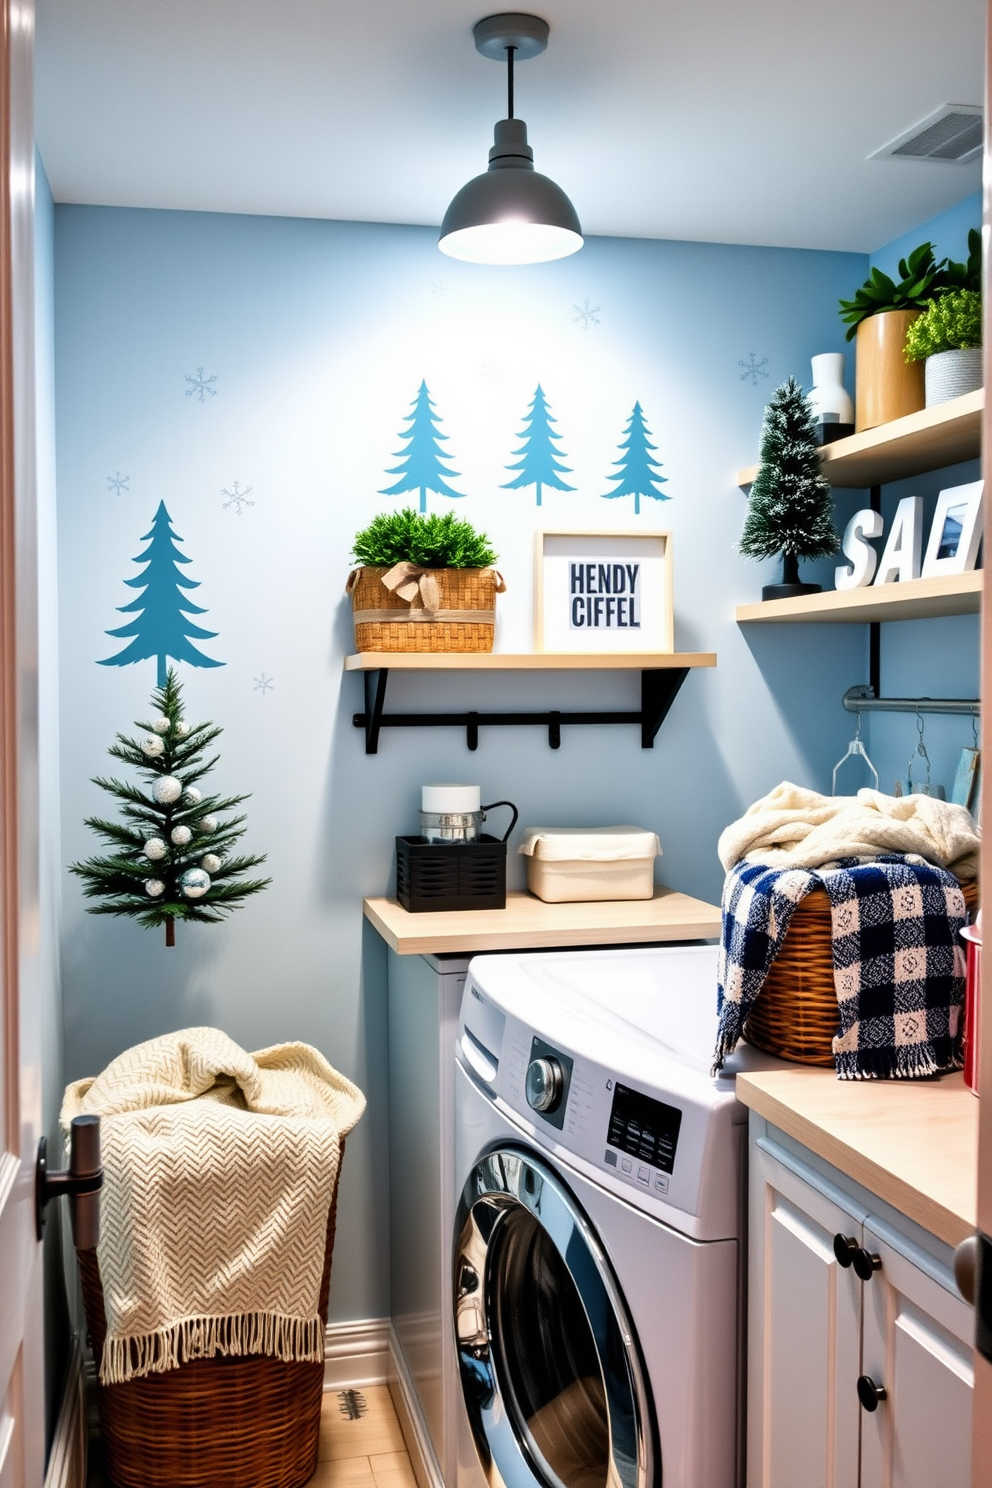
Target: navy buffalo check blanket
898	962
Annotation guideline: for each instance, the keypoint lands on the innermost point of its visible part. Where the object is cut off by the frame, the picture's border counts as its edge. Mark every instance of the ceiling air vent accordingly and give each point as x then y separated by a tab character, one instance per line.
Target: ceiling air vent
953	134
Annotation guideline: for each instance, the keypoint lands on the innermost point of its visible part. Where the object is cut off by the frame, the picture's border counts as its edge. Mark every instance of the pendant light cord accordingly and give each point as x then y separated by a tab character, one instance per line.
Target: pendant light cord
509	81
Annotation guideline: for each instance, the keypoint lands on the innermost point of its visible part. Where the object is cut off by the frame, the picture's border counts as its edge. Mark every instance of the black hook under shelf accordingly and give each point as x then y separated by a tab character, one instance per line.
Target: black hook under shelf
659	689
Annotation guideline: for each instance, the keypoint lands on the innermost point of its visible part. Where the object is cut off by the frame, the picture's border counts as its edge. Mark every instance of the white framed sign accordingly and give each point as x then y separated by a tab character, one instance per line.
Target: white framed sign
603	591
956	531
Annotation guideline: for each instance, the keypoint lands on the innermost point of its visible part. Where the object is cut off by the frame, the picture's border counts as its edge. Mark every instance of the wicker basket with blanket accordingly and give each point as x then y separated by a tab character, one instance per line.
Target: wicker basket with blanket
207	1295
841	918
408	608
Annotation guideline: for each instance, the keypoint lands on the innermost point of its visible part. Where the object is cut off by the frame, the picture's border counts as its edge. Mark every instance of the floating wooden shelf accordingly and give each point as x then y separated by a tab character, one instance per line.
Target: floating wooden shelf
662	674
928	440
916	599
530	661
529	924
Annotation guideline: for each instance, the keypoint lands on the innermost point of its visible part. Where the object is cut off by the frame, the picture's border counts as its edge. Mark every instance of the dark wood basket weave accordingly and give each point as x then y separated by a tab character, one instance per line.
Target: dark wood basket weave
795	1013
250	1422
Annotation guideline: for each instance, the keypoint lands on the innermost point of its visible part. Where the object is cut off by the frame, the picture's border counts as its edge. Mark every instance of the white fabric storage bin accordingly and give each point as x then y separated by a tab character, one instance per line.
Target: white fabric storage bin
590	863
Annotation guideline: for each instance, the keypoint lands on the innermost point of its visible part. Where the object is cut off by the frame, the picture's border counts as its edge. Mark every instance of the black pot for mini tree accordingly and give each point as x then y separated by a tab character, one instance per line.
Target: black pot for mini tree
790	586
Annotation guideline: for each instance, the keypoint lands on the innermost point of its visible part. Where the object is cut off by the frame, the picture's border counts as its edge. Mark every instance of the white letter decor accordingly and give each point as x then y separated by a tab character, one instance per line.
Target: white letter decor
861	554
952	546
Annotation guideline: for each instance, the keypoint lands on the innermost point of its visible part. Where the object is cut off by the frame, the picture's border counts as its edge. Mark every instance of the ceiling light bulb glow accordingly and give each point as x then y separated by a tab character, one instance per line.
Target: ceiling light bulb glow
510	242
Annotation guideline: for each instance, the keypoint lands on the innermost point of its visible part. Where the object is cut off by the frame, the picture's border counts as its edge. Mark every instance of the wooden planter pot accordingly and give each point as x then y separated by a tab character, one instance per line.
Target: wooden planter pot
887	386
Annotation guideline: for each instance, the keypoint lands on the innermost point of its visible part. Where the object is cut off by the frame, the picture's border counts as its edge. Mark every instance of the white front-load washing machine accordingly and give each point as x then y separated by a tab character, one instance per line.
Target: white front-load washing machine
596	1274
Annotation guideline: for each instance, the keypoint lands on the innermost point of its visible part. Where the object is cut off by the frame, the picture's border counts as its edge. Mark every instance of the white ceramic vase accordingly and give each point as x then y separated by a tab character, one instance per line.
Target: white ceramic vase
950	374
833	408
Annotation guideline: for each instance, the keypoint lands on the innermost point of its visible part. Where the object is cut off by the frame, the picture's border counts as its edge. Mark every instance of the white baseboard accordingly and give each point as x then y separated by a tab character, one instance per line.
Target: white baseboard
356	1353
411	1419
67	1459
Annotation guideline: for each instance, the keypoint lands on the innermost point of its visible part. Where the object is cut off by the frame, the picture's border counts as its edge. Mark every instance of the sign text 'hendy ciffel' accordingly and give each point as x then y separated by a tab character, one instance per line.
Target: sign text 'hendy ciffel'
604	596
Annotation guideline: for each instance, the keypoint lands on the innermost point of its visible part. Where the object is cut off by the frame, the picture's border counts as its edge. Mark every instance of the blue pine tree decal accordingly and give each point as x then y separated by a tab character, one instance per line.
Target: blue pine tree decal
161	628
639	473
421	468
540	465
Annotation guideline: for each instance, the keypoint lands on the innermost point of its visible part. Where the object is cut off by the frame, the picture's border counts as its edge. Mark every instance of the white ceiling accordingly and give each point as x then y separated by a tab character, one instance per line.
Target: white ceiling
725	120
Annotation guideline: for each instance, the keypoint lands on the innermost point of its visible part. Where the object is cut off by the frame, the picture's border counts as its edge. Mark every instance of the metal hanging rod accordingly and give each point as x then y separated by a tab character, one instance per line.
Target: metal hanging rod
862	699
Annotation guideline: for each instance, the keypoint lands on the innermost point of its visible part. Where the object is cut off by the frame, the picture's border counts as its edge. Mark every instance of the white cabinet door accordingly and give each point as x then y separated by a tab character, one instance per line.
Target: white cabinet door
918	1347
804	1331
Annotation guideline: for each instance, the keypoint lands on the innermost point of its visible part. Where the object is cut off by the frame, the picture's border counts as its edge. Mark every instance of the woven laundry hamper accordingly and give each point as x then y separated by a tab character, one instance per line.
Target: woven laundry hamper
795	1014
243	1422
451	609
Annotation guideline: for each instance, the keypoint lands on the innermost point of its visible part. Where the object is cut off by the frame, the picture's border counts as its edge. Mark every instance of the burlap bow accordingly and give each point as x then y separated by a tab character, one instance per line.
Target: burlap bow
410	581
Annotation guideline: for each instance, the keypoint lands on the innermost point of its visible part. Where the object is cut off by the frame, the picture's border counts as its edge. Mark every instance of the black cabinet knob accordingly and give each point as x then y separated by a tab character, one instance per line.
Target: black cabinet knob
869	1393
845	1249
866	1263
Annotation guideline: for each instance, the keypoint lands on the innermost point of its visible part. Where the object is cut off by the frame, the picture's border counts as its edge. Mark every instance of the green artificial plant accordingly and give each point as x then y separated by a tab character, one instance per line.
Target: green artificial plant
921	277
429	541
789	510
966	275
951	322
172	855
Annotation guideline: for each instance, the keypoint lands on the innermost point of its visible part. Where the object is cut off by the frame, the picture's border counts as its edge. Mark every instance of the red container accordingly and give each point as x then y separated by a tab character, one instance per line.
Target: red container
972	1002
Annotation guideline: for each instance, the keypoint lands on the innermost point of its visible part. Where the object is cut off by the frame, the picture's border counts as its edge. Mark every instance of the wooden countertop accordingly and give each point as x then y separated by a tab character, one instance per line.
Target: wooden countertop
529	924
914	1143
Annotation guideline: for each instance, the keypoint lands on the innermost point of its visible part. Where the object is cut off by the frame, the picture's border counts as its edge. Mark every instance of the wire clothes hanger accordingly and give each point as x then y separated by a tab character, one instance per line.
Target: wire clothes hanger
854	750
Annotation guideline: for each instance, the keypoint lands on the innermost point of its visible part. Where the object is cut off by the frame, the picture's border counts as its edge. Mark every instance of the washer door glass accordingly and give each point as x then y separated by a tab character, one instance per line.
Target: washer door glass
549	1365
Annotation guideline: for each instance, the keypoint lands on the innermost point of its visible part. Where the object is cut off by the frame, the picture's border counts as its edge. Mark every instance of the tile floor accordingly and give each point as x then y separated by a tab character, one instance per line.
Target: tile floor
361	1445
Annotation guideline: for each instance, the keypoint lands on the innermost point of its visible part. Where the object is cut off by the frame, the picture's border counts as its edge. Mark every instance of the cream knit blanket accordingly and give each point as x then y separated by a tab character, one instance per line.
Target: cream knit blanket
796	828
219	1170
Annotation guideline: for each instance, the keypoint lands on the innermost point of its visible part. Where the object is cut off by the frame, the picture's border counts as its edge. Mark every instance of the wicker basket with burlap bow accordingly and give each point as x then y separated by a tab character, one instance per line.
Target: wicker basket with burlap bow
409	608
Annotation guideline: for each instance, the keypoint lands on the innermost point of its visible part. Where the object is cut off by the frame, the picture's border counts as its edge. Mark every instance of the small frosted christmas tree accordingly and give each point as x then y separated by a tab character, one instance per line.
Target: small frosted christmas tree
172	859
789	509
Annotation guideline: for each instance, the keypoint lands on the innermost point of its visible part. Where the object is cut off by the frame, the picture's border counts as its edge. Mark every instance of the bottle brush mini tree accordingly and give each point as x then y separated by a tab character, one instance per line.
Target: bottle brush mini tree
789	509
173	855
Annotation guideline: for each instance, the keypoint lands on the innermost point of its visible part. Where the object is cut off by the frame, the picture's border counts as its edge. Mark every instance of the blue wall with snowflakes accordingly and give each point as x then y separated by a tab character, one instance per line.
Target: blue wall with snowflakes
258	376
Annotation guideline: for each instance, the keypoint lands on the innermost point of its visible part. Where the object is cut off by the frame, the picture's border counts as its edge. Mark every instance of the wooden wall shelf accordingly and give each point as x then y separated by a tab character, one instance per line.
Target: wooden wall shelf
662	674
916	599
928	440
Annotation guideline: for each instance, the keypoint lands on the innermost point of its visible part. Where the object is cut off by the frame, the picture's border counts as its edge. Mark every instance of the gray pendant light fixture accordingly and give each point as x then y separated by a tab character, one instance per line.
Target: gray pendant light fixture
511	214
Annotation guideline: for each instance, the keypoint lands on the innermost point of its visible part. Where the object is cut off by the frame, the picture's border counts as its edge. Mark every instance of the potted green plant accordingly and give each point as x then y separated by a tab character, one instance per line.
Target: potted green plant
426	583
789	508
947	338
886	385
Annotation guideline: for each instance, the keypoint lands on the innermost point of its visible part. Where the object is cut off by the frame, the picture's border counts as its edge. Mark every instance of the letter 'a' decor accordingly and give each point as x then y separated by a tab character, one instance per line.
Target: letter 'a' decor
603	591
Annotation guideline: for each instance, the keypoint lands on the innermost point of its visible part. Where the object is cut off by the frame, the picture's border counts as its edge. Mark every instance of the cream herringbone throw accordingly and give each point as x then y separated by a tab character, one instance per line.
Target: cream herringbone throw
219	1169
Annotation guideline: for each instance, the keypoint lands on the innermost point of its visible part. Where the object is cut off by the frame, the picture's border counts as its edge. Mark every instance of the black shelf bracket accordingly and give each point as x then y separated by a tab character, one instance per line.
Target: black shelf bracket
659	689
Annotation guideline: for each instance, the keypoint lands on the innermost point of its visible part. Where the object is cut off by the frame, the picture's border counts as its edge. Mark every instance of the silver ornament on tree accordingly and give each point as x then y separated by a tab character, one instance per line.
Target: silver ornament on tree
182	728
192	796
194	883
210	863
154	887
167	789
207	824
161	724
181	835
155	849
152	746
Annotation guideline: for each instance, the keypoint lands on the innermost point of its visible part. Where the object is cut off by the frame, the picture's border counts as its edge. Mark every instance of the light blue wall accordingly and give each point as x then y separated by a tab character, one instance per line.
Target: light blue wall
318	334
948	232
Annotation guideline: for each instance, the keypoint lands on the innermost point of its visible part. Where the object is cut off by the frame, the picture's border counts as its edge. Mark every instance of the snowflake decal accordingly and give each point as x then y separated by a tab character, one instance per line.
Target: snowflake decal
491	372
236	497
263	684
586	314
200	387
118	483
753	369
439	287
